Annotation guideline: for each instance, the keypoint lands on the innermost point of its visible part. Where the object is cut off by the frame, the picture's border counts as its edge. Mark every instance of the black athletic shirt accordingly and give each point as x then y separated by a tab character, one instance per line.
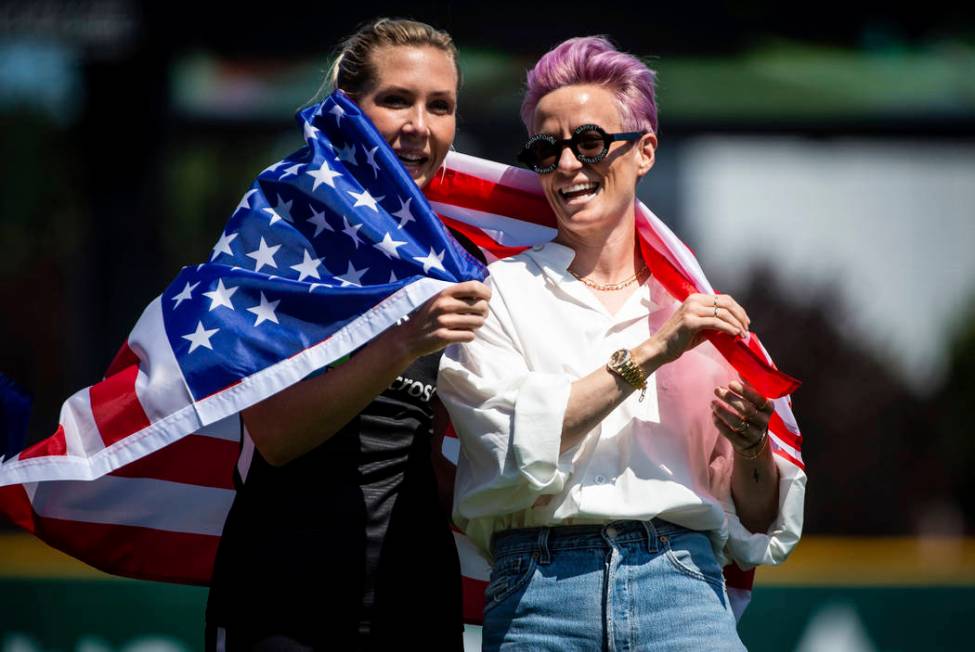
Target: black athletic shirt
348	539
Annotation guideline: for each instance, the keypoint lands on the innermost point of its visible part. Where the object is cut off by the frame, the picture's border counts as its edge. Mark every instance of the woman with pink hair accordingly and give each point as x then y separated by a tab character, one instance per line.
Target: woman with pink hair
611	461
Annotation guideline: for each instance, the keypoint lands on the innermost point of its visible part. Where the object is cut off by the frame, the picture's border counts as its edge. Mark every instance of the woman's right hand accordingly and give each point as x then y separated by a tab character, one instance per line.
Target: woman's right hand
450	316
689	324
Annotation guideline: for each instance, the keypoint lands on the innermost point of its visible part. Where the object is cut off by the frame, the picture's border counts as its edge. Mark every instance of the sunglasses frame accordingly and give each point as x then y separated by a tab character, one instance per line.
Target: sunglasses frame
528	159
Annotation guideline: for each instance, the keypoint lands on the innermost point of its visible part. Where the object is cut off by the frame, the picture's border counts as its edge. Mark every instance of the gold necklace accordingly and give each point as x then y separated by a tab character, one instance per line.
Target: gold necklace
611	287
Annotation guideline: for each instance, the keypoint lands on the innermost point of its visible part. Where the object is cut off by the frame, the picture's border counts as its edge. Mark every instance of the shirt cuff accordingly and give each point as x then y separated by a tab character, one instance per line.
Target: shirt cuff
537	430
751	549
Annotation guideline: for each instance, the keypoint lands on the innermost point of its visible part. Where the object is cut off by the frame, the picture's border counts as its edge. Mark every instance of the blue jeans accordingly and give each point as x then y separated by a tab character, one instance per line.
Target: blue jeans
627	585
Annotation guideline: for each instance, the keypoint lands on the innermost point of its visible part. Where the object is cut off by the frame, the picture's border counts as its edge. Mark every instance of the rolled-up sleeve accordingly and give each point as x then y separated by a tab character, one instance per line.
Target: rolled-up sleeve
749	549
509	421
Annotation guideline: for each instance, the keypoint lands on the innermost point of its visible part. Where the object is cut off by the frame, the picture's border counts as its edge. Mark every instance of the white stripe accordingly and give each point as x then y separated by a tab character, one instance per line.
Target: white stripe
472	563
81	434
685	260
500	173
227	428
739	599
776	441
508	231
246	456
140	502
784	410
159	385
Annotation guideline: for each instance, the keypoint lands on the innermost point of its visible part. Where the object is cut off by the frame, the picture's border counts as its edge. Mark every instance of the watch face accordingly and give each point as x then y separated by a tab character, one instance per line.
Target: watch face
619	357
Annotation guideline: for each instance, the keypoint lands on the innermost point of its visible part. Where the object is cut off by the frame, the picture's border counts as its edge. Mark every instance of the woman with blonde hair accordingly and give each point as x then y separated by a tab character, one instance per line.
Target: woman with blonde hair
336	522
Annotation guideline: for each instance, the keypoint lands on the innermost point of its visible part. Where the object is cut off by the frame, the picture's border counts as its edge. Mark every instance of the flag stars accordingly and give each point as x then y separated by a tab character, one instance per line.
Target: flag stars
265	311
282	211
322	175
338	112
352	276
389	246
223	244
273	167
200	337
352	231
308	267
310	131
347	154
291	171
186	294
245	200
318	219
220	296
264	255
432	260
365	199
371	159
404	214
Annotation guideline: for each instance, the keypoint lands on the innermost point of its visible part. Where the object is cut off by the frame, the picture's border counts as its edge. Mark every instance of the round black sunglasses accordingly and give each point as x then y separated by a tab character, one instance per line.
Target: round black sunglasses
589	144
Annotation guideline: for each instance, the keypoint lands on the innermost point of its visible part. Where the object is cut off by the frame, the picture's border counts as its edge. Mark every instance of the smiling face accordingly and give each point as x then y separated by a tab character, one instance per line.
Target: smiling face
590	199
413	104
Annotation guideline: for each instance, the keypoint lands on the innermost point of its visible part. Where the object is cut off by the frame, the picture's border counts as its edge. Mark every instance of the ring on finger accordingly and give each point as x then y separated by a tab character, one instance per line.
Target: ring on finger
742	427
715	311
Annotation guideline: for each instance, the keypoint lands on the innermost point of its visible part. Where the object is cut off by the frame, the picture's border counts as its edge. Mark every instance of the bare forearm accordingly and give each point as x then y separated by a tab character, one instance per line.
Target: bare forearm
593	397
300	418
755	490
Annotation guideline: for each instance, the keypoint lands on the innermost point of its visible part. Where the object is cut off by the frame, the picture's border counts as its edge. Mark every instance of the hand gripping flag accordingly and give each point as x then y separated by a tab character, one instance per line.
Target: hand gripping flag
325	250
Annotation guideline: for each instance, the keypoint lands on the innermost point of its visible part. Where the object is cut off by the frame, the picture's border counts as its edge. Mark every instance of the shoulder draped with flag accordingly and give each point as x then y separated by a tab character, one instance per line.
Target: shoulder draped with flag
326	249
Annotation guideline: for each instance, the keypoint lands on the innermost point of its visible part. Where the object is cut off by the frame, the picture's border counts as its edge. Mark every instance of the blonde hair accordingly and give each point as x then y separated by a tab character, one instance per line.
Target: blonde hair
352	69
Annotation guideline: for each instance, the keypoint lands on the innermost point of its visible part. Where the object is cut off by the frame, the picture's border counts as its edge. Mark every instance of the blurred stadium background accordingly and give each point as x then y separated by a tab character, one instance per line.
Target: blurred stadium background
819	159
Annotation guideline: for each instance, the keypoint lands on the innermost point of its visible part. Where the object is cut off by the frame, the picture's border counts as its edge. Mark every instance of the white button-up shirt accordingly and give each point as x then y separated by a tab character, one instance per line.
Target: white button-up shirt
507	393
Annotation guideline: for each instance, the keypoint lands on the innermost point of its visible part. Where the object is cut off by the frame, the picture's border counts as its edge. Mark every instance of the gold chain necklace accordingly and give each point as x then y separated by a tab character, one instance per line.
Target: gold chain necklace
611	287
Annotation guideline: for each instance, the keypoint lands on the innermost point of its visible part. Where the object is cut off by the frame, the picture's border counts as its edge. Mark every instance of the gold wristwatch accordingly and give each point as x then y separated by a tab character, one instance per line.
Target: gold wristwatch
621	363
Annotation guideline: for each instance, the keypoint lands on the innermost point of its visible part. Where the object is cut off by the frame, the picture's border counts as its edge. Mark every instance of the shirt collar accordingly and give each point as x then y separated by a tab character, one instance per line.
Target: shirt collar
554	260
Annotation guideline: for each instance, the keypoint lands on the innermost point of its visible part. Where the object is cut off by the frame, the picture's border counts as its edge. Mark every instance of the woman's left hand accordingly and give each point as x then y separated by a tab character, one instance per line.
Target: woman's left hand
741	414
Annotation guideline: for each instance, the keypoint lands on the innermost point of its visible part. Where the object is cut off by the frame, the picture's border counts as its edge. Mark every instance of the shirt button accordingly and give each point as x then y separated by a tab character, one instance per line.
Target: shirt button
600	479
538	247
611	531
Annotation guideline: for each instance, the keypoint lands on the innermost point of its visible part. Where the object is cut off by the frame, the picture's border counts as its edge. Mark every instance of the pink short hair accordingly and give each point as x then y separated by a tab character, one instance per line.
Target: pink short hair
594	60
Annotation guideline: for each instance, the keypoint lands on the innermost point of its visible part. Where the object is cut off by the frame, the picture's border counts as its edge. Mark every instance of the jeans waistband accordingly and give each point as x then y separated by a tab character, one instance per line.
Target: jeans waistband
544	540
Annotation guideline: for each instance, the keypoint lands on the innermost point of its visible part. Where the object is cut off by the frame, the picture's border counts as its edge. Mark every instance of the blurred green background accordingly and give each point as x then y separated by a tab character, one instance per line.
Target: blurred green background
820	161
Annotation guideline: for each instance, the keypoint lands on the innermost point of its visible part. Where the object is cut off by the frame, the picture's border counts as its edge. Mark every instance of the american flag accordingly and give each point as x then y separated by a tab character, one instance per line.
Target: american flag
325	250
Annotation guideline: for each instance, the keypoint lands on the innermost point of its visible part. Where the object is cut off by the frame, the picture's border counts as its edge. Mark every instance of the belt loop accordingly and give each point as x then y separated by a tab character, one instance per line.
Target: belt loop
543	553
651	536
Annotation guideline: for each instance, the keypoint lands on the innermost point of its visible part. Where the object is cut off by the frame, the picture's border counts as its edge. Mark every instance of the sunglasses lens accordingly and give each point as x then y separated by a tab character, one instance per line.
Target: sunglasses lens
590	143
541	153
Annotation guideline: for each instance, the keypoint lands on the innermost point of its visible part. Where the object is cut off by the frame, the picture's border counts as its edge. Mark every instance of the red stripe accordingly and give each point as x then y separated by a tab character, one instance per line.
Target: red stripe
481	239
786	456
753	368
53	445
473	600
15	505
448	431
777	425
737	578
138	552
115	405
194	459
467	191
